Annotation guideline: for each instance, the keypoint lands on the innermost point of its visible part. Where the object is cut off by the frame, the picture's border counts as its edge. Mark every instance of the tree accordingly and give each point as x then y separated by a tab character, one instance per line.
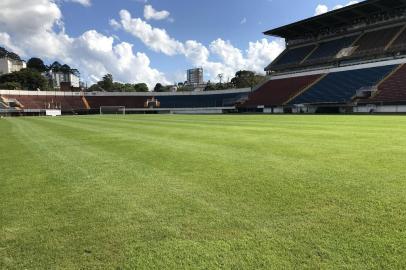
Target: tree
36	64
167	88
245	78
14	56
141	87
210	86
122	87
127	87
184	88
75	72
107	82
159	88
65	69
55	67
218	86
95	88
11	55
28	79
3	52
10	86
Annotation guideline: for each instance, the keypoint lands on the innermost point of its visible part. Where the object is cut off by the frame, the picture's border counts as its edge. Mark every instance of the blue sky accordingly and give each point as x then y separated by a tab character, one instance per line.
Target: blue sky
213	34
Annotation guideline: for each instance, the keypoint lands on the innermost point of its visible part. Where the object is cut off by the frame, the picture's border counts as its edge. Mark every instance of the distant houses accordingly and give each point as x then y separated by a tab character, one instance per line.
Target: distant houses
10	62
60	77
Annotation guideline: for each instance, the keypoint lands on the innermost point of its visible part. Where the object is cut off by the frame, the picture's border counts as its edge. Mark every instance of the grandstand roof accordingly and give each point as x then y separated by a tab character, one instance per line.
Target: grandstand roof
336	18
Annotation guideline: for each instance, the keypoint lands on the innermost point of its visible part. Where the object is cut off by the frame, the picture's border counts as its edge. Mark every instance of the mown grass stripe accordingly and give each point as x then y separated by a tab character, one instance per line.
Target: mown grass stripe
202	192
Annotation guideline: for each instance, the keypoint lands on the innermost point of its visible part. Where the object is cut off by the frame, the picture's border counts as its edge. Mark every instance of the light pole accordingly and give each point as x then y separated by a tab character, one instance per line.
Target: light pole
220	76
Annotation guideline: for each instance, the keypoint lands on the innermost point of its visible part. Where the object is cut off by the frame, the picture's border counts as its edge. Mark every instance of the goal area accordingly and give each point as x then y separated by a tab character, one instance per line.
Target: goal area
112	110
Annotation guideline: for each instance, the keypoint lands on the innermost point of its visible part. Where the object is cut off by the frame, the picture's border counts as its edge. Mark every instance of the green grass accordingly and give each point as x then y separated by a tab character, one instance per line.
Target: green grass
203	192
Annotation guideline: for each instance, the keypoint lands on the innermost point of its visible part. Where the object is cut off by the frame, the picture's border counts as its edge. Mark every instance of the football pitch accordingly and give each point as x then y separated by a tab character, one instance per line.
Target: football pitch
203	192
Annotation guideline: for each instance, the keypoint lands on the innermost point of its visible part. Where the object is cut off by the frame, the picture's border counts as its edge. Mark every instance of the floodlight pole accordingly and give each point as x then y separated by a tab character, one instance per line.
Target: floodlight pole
220	76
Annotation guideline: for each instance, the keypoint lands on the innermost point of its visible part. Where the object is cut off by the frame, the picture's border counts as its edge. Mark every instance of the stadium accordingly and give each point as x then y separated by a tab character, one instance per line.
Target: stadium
294	173
346	61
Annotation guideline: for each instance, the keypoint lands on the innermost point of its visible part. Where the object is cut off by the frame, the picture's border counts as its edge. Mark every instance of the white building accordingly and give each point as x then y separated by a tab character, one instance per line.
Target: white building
59	77
195	79
8	65
195	76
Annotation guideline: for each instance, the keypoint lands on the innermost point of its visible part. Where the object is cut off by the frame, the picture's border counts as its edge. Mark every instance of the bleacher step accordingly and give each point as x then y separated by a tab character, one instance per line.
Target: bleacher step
305	89
395	38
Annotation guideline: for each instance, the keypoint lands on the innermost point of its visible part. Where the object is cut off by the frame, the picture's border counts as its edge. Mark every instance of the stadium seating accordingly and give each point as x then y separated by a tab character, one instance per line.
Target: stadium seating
294	56
171	101
95	102
65	103
78	103
235	100
31	102
400	43
393	89
341	87
278	92
3	104
70	103
197	101
376	41
166	101
328	50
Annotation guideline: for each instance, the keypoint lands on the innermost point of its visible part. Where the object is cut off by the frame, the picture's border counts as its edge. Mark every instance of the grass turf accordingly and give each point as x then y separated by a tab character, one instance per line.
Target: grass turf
203	192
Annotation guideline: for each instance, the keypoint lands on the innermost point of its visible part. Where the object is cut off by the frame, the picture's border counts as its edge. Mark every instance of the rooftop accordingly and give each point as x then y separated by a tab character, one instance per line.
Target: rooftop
336	18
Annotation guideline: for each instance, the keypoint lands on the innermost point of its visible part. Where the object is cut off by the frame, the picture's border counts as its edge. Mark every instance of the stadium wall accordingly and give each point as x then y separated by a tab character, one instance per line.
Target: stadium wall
380	109
37	102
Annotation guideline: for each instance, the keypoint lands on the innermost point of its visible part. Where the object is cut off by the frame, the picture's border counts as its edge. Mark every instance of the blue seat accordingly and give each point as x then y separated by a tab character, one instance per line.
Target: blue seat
330	49
197	101
293	56
340	87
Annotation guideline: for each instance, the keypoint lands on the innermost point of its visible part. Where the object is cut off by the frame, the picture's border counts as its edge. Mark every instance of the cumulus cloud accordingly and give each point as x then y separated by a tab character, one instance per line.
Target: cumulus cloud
37	33
263	52
5	40
86	3
115	24
93	53
348	4
151	14
155	38
321	8
230	59
102	57
96	54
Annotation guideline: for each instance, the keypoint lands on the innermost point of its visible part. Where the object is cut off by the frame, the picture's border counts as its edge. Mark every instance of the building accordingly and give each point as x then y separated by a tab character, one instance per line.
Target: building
349	60
195	79
9	65
195	76
62	77
58	78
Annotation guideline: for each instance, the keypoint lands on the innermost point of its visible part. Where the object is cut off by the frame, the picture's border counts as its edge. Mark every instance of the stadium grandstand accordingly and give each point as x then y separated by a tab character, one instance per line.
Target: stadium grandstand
14	102
350	60
347	60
